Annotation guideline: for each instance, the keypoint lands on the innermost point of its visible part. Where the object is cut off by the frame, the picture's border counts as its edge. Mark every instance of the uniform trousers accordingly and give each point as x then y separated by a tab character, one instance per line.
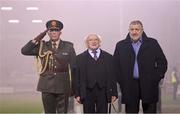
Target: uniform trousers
54	103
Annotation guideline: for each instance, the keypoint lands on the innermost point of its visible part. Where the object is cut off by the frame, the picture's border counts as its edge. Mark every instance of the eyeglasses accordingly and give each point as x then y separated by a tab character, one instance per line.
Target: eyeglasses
56	30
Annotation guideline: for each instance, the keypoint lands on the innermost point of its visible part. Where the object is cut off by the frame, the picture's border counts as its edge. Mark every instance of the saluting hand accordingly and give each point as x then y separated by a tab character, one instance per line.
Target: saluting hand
40	36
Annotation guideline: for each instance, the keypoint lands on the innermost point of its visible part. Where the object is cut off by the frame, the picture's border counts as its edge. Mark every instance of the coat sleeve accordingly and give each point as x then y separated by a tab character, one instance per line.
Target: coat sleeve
116	61
77	79
72	57
30	49
112	81
161	61
72	66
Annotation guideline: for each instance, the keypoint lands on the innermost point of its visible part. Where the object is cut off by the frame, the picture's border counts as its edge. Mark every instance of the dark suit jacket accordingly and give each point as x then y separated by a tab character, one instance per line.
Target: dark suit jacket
152	67
53	82
81	74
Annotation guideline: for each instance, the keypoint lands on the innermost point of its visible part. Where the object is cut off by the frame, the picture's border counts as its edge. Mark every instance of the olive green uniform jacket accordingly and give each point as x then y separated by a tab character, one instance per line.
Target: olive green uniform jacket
55	78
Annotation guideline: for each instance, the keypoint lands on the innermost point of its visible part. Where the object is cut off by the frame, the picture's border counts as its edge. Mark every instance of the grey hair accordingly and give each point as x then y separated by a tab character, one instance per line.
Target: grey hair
135	22
98	36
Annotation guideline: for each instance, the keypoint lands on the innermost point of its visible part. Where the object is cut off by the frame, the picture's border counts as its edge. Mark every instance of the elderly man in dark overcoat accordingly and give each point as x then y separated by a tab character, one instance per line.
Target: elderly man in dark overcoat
141	64
95	83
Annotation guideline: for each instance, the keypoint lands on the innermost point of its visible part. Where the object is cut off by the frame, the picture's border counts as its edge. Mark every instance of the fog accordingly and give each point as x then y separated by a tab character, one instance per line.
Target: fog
108	18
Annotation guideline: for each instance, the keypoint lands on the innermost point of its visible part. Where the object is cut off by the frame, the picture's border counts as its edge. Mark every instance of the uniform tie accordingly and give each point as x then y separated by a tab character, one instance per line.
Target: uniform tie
95	55
54	45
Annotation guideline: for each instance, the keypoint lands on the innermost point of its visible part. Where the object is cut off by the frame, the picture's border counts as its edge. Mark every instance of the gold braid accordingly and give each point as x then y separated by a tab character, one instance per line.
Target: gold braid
70	81
70	76
45	55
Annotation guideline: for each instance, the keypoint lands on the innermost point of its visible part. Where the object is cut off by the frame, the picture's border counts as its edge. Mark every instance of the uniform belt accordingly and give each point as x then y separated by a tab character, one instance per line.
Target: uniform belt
54	73
57	70
61	70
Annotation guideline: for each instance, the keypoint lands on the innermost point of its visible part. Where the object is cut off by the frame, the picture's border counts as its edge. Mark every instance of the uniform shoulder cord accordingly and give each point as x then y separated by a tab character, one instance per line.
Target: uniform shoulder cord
40	56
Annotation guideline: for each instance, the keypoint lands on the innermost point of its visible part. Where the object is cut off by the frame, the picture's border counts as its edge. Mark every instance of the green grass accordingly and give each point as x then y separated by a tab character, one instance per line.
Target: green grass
26	103
169	105
31	103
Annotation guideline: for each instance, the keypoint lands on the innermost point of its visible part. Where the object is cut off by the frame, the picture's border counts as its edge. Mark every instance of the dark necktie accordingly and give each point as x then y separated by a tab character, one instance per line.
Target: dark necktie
95	55
54	45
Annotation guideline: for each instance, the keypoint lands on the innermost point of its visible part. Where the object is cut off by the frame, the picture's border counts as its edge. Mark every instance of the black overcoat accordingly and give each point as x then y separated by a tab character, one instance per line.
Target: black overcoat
152	65
81	74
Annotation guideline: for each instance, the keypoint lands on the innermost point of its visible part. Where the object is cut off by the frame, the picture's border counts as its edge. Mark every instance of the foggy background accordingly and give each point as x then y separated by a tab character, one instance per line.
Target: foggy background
108	18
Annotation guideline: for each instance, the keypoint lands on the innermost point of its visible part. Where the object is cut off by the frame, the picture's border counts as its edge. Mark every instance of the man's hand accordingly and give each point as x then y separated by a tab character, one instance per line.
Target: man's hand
78	99
40	36
113	99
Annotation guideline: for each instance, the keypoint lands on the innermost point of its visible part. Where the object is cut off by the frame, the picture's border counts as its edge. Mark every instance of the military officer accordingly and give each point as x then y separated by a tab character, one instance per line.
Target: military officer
56	58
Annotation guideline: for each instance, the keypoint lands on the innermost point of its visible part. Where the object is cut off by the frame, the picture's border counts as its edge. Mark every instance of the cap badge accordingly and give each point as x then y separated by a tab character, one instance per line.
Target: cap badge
53	24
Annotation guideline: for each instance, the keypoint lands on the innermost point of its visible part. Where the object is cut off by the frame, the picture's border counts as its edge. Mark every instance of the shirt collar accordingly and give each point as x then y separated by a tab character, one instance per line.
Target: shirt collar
90	51
140	40
57	42
98	52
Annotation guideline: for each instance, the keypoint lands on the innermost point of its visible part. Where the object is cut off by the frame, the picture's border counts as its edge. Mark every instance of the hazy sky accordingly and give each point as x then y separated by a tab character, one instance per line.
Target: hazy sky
108	18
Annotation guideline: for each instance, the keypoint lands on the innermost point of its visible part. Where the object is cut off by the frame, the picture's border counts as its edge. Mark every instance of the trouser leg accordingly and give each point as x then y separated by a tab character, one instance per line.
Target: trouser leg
101	100
49	102
61	103
88	103
149	108
132	108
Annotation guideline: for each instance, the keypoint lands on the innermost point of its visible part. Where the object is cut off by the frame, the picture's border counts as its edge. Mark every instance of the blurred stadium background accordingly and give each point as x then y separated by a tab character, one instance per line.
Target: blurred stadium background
22	20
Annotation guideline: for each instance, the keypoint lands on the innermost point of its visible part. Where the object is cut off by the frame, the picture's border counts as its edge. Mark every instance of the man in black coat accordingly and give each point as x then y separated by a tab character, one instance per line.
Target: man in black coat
141	64
56	58
95	82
